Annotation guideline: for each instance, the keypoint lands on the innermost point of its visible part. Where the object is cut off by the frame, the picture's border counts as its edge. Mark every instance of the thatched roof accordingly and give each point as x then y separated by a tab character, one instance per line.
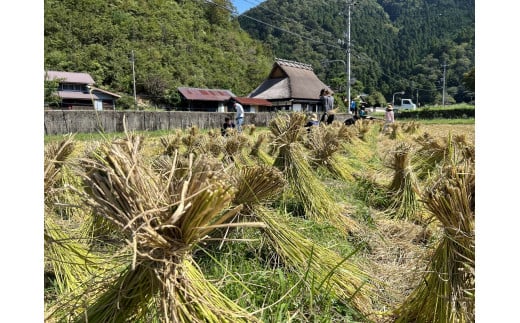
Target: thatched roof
289	80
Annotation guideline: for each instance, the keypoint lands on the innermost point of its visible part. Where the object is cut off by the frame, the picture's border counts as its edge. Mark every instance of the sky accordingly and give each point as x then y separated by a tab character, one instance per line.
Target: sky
243	5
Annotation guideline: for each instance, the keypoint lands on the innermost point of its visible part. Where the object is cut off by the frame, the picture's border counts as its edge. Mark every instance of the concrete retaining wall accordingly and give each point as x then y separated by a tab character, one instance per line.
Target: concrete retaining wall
57	122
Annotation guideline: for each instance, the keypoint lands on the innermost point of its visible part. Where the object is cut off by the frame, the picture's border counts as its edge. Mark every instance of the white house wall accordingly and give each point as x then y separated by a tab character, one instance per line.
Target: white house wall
297	107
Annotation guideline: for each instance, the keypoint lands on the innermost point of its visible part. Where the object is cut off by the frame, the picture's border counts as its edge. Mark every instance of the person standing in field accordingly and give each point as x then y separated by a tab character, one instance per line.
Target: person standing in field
328	102
239	114
353	107
389	116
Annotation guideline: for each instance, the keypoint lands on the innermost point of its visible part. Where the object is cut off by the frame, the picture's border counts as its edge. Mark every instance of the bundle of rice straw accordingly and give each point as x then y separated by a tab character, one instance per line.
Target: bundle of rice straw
71	260
162	219
324	144
336	274
447	291
55	156
431	154
257	184
171	143
363	127
396	131
234	148
68	258
434	151
257	151
404	189
318	205
411	127
342	276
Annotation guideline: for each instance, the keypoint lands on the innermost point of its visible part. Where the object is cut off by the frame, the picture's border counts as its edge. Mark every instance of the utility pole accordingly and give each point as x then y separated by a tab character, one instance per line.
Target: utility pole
133	77
444	84
349	4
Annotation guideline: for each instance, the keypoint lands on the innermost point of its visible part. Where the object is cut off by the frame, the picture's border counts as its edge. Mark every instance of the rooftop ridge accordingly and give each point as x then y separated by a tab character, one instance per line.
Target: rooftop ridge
290	63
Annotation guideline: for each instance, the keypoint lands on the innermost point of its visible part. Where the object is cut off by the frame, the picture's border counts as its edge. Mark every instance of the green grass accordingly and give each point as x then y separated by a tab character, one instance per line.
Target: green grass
381	115
446	121
251	273
449	107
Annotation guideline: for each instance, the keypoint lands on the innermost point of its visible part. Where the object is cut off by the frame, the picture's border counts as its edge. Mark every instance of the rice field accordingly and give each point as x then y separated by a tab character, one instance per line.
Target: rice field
336	224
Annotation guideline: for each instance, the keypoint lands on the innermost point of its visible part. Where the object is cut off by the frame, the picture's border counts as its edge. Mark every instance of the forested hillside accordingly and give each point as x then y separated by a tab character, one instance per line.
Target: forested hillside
395	45
175	43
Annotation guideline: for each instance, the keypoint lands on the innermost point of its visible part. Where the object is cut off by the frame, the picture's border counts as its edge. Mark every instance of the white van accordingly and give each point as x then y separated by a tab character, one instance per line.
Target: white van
406	104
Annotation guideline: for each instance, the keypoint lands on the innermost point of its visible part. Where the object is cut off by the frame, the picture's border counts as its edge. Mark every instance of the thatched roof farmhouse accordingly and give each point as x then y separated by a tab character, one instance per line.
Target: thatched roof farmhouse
291	86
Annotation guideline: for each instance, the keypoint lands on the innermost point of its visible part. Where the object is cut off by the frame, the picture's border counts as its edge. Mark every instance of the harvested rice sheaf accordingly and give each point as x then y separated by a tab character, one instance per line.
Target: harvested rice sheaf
323	146
435	151
336	274
396	131
56	155
171	143
162	219
411	127
447	291
404	189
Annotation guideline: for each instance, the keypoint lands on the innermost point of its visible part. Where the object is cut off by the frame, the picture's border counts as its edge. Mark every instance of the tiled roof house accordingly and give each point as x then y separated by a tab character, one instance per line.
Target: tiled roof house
77	92
216	100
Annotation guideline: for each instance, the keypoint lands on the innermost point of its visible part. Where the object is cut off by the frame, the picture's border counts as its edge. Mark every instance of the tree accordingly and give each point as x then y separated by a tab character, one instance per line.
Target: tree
51	98
469	80
376	99
175	43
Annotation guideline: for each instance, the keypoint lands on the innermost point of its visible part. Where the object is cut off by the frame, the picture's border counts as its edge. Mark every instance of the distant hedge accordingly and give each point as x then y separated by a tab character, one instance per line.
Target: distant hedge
425	113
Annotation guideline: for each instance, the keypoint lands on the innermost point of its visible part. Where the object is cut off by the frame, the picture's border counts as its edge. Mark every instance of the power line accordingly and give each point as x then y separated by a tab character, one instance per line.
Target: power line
395	77
315	41
254	3
349	45
309	29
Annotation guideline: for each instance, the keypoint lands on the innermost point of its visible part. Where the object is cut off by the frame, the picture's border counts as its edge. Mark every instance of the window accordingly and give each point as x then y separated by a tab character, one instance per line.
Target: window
72	87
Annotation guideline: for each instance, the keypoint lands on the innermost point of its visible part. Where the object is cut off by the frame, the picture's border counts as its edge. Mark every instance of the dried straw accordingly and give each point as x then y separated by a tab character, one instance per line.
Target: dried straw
447	293
68	257
396	132
71	260
335	273
433	152
162	219
411	127
257	151
171	143
404	189
255	186
324	145
318	205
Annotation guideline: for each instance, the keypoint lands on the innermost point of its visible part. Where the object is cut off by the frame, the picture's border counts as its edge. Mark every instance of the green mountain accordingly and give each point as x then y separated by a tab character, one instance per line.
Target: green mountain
395	44
174	43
